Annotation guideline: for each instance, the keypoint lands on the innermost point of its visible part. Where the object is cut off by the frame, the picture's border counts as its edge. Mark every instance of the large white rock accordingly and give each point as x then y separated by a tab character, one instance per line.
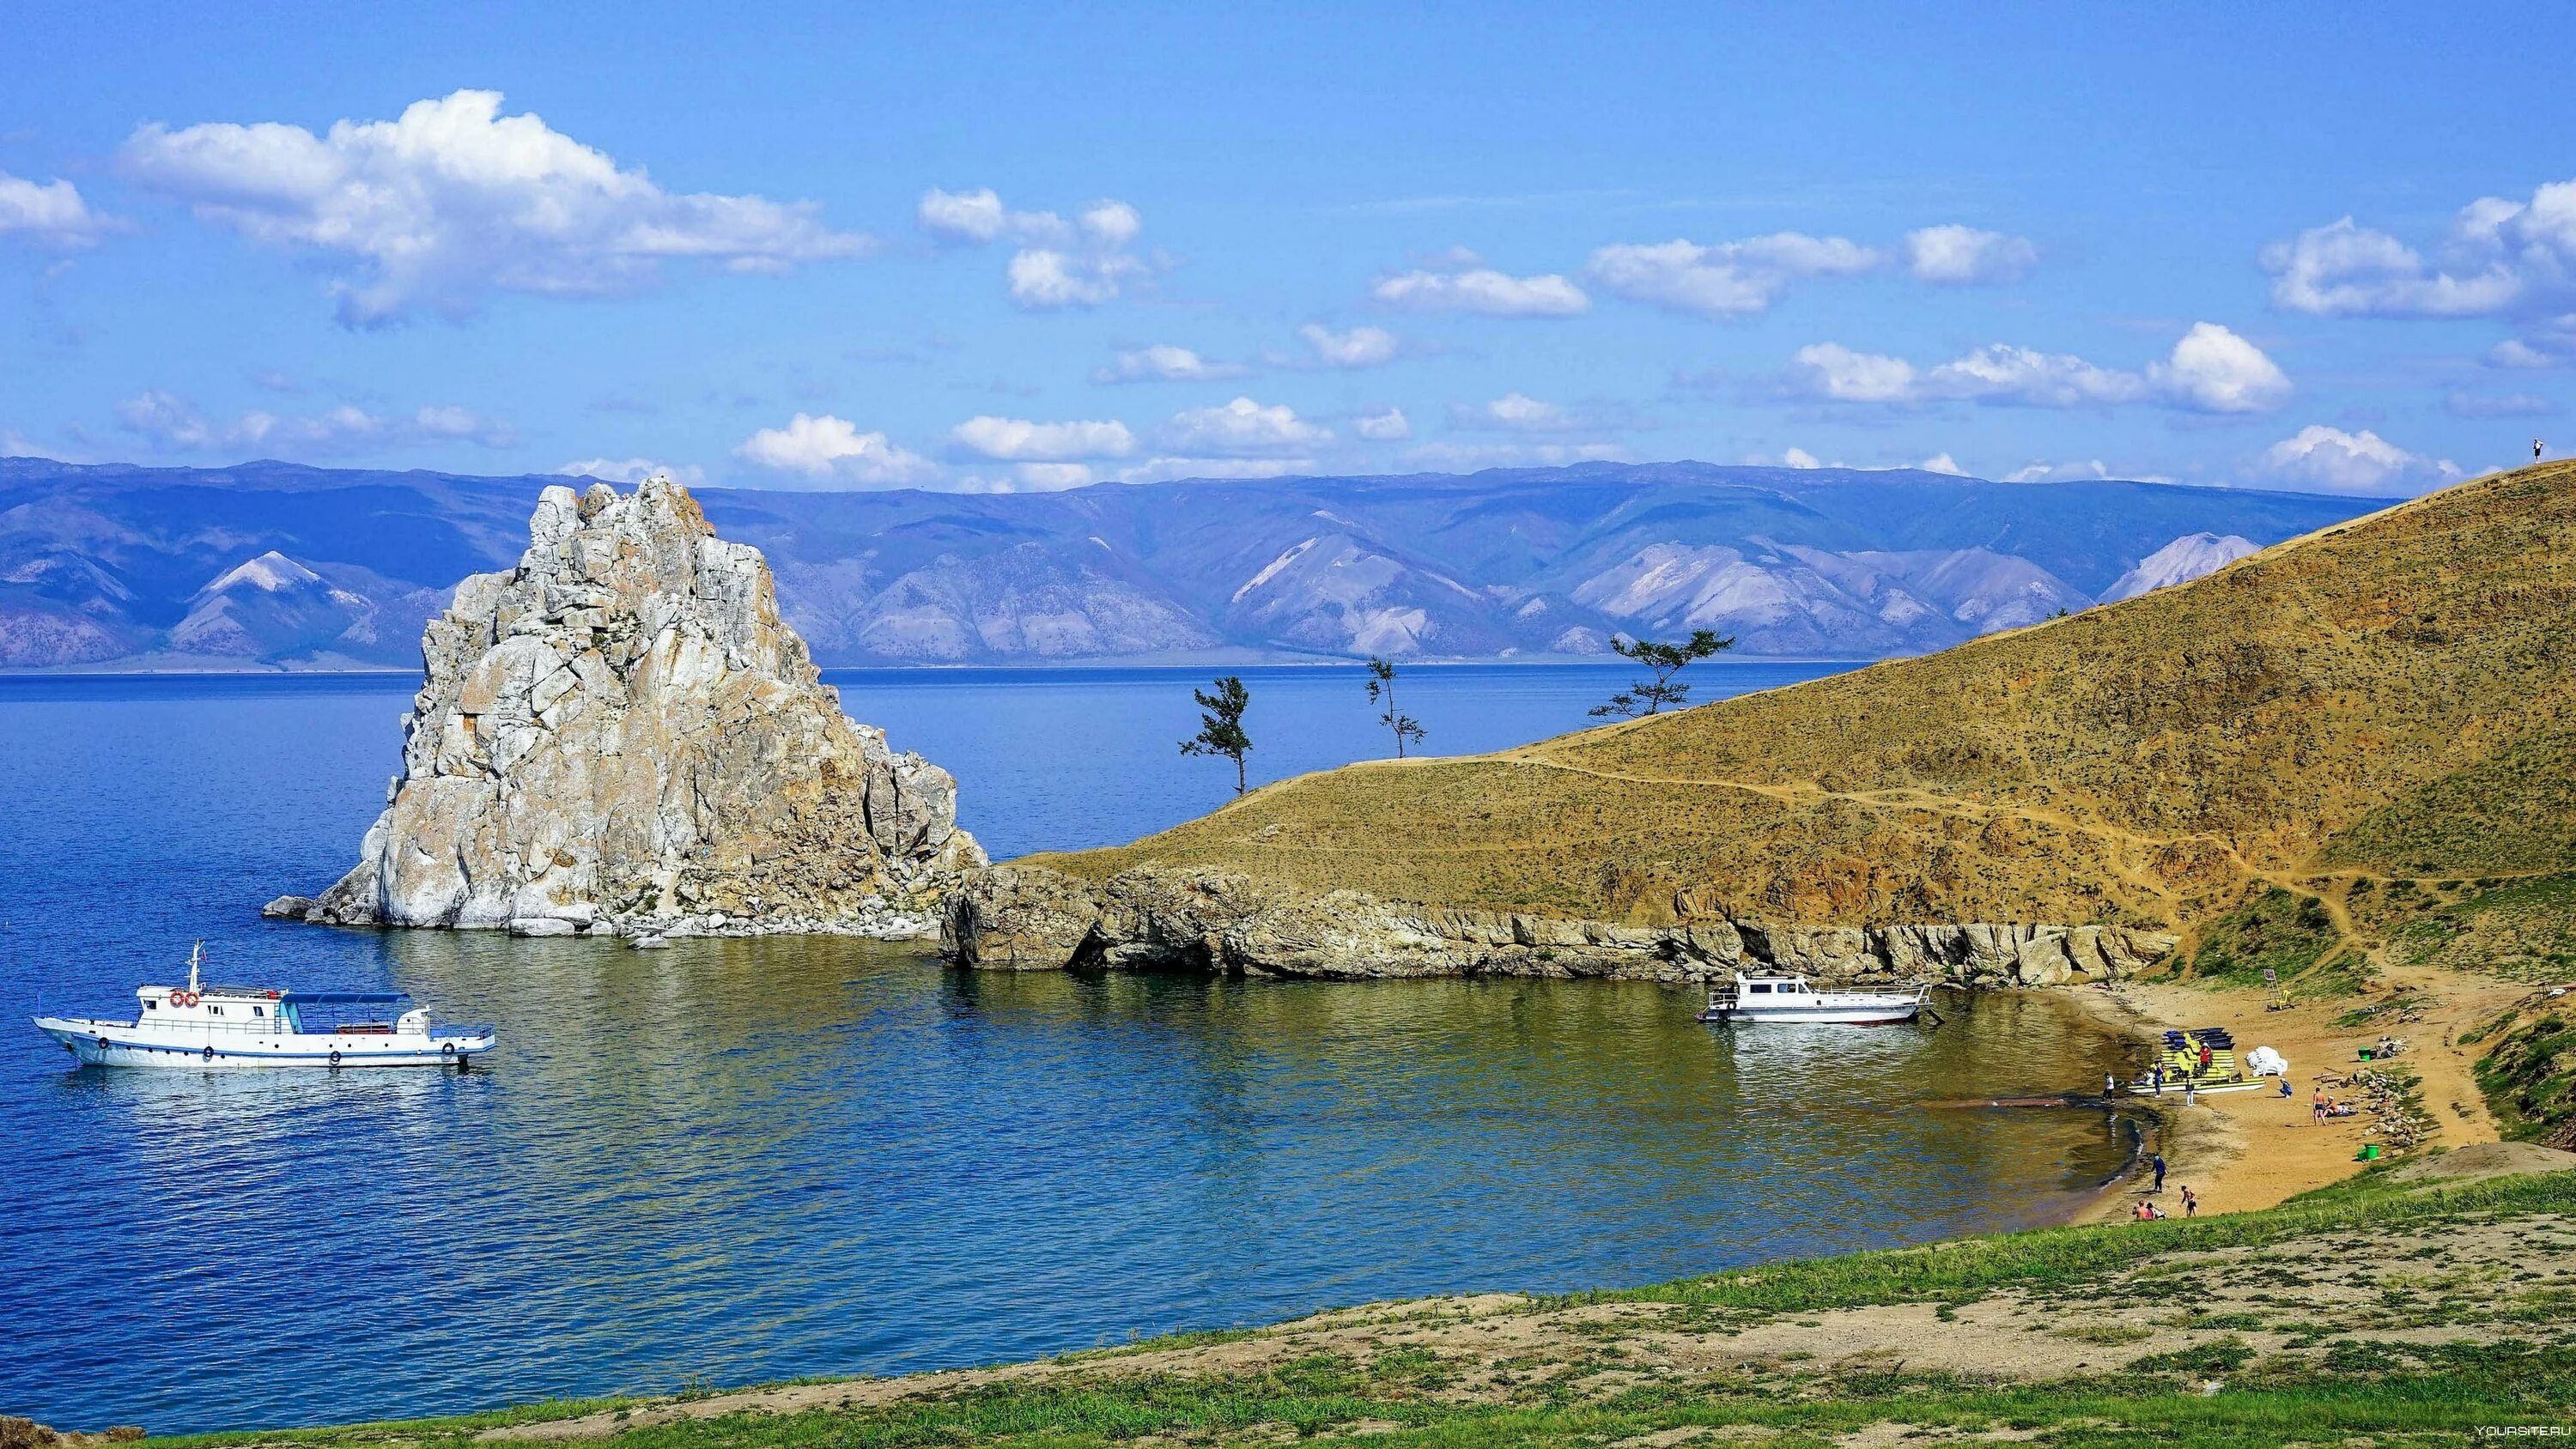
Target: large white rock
620	733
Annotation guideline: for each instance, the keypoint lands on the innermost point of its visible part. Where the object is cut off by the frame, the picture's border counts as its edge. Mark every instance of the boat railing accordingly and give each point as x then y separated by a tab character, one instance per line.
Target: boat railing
461	1028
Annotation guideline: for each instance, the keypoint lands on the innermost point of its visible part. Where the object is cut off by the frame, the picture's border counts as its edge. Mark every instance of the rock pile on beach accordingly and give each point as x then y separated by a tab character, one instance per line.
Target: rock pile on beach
621	737
1028	918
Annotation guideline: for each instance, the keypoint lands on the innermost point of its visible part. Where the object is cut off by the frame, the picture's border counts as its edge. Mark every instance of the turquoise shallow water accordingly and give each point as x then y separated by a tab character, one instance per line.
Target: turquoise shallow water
737	1161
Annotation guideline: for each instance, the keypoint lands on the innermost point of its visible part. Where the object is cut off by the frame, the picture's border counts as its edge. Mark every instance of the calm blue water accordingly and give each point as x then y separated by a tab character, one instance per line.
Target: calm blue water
738	1161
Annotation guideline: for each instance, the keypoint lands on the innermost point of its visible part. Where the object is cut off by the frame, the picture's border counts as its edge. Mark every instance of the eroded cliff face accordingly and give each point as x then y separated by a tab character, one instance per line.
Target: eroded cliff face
621	736
1027	918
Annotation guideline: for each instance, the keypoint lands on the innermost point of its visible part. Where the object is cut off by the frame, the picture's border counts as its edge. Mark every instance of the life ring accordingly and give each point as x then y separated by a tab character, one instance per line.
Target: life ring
335	1056
187	998
210	1052
102	1043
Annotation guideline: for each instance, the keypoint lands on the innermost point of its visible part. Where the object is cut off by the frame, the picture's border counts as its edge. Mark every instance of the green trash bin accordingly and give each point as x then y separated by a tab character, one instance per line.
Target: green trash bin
2368	1153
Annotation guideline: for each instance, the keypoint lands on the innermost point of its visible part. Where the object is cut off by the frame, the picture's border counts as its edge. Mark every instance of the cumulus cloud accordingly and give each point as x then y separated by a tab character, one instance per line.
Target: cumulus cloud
1833	372
1388	426
171	424
1019	441
1732	279
1943	463
2210	370
52	215
1518	413
2335	461
1965	256
1483	290
2078	471
1242	429
631	470
1359	347
1164	363
827	450
452	202
1078	263
2343	269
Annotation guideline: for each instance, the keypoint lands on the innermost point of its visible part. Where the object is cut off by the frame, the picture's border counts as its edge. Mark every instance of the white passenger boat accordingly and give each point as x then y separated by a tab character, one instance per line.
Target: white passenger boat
1790	998
211	1027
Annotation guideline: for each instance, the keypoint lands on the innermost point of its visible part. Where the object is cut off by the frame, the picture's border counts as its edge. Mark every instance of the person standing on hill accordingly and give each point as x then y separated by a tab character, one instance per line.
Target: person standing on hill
2535	450
2160	1172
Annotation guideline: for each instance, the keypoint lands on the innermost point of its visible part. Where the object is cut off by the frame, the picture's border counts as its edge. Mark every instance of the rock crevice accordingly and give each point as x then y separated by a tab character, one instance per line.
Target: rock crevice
621	736
1028	918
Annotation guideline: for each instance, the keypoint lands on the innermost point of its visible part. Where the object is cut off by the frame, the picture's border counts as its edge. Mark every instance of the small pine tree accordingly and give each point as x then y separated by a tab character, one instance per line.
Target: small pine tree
1221	726
1382	681
1666	660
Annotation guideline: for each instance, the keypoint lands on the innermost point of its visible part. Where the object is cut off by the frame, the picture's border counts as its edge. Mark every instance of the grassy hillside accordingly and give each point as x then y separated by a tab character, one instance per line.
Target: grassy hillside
2374	714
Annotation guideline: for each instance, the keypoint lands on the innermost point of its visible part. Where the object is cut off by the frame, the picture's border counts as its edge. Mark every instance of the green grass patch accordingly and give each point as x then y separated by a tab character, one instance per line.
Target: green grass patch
2288	933
2529	1078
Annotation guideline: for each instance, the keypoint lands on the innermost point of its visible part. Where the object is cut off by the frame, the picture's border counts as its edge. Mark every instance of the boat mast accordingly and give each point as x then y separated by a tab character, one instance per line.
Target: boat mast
196	954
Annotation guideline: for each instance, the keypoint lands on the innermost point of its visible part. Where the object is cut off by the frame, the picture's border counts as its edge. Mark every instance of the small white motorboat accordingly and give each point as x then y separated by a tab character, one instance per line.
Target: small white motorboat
211	1027
1790	998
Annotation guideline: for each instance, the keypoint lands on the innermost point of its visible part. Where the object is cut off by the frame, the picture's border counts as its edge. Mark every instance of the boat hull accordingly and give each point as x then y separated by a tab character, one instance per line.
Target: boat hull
112	1044
1874	1014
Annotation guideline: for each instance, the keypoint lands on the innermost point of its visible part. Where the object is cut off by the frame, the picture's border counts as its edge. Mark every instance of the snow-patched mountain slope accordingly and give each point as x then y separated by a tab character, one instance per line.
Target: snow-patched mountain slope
272	607
2179	562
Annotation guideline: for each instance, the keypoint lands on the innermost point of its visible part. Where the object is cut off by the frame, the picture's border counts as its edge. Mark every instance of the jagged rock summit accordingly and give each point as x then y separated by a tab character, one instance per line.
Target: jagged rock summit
620	736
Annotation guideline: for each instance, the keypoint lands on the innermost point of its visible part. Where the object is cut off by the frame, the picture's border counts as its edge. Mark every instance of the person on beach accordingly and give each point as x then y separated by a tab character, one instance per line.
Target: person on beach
2160	1172
2190	1203
2317	1109
2191	1094
2159	1078
2204	1062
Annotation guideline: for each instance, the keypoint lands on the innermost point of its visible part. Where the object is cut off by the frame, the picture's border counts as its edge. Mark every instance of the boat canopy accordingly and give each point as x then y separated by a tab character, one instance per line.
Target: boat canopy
345	998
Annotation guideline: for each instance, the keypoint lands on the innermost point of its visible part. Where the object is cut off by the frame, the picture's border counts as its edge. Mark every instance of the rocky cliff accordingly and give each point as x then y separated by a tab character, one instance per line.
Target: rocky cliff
1029	918
620	736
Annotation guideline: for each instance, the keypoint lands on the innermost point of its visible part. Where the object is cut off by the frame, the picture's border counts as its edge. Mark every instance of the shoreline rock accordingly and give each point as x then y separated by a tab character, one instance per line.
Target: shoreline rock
1028	918
620	736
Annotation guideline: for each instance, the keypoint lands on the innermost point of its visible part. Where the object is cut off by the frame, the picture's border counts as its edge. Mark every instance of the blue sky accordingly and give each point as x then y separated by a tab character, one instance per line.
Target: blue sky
1027	247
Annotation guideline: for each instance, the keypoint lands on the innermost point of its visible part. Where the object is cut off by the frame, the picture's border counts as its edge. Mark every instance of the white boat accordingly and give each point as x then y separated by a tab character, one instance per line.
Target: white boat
1790	998
226	1027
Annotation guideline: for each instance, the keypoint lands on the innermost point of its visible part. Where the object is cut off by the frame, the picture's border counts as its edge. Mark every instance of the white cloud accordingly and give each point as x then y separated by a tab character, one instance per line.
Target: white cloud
1390	426
2339	462
1164	363
1965	256
1485	291
52	215
1733	279
1455	457
1242	428
2029	378
1796	457
170	424
2346	270
1018	441
631	470
452	202
830	449
1359	347
2209	370
1078	263
2212	370
1516	412
1834	372
1943	463
2516	352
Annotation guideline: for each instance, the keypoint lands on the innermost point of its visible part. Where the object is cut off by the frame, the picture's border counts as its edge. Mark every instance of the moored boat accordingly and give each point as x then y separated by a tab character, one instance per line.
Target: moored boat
1789	998
226	1027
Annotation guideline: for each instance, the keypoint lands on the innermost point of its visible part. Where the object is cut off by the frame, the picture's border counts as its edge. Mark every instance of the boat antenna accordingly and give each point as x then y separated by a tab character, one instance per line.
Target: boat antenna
196	954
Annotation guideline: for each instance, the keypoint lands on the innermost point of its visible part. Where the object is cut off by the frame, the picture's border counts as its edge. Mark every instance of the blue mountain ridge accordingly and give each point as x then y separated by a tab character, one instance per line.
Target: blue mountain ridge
127	566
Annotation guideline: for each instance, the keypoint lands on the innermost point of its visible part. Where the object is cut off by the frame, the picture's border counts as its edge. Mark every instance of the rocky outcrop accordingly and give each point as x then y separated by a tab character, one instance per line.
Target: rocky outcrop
1026	918
620	736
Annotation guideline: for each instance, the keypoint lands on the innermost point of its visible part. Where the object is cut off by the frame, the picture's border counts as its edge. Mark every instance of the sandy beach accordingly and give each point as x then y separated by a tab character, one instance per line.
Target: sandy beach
2245	1150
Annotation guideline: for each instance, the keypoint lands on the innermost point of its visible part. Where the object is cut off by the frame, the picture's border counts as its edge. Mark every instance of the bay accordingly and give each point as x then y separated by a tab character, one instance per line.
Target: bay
747	1160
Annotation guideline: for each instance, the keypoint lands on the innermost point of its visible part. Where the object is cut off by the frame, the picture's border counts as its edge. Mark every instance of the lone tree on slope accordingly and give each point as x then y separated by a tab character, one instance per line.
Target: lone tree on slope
1221	726
1382	679
1666	660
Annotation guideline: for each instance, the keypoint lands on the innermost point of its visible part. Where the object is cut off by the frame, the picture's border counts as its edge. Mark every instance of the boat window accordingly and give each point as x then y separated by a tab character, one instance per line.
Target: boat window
1761	986
152	1006
214	1011
259	1011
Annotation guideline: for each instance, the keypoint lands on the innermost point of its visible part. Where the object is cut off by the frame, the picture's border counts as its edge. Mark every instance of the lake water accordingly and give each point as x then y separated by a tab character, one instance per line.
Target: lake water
747	1160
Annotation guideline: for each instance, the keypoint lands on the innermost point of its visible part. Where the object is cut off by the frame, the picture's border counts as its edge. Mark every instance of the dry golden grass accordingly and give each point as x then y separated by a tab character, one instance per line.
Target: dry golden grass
2390	698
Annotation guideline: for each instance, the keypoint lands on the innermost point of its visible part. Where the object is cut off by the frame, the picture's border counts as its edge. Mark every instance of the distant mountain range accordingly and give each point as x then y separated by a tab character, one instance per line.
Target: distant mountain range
279	565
